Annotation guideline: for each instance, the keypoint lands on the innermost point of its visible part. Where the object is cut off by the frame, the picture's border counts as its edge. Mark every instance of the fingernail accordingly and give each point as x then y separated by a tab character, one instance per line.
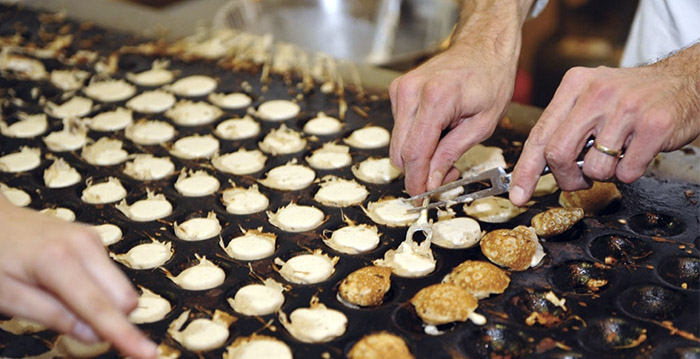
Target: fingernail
435	180
83	332
517	195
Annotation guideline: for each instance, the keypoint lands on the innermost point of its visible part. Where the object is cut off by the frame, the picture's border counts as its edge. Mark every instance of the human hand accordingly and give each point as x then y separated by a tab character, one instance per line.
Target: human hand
465	89
455	90
643	110
57	273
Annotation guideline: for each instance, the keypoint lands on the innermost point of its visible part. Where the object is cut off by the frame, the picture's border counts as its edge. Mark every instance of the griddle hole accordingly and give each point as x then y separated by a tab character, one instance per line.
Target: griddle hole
582	277
498	341
656	224
134	62
531	307
23	346
683	272
574	233
612	335
619	248
611	209
683	353
652	302
406	318
567	355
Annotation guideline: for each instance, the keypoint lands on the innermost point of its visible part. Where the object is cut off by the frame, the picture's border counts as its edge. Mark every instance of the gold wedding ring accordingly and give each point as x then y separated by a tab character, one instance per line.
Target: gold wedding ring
607	150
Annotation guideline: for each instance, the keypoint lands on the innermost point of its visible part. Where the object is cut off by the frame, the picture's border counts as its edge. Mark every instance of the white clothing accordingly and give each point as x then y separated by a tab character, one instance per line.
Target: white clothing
659	28
538	7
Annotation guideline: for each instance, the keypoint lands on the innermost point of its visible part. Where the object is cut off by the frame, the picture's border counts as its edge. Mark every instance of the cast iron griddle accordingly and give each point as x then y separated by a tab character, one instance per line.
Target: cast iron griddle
644	247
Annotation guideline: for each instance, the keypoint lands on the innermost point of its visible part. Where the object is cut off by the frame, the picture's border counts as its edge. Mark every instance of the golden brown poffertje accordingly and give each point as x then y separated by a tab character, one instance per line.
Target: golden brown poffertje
444	303
516	249
480	278
366	286
258	346
380	345
556	221
592	200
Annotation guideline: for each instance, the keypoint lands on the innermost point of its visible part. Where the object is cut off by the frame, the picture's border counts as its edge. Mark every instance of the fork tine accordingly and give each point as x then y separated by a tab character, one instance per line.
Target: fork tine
441	189
429	206
487	174
421	224
500	183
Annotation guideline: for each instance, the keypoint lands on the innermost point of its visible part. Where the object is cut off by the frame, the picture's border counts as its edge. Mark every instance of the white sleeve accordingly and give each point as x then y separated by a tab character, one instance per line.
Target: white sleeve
537	8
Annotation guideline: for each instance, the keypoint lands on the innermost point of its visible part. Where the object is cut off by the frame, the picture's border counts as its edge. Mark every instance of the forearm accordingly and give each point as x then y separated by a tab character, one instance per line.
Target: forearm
495	25
466	88
685	66
684	62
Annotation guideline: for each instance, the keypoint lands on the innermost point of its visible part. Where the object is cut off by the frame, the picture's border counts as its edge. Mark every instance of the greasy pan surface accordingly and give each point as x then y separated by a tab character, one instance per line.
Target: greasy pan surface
643	247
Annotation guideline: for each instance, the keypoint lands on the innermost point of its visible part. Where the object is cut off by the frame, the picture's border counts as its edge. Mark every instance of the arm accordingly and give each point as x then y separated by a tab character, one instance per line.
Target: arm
57	273
644	110
465	89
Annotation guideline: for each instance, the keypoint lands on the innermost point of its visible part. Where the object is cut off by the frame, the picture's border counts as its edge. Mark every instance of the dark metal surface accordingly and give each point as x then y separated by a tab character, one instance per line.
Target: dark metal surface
644	246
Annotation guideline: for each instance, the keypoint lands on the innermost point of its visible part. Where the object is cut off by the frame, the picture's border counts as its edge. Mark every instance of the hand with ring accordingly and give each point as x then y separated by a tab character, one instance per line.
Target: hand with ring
607	150
643	110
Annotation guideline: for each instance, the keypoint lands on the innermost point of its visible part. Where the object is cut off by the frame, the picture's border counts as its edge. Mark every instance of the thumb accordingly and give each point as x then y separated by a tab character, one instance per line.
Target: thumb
461	138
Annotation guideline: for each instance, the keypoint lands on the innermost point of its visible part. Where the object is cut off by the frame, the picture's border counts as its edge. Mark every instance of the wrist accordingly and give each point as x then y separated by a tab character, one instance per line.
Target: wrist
492	27
684	64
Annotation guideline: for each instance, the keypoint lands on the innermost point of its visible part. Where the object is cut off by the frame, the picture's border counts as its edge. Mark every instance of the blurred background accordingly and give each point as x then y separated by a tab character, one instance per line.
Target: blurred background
395	35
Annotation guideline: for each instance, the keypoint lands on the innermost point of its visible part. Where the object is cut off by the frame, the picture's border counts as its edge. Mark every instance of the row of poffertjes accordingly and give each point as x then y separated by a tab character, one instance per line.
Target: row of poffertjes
455	299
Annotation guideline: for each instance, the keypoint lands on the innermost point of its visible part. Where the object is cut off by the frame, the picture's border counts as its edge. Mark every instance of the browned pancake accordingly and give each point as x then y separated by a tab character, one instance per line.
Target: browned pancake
510	248
443	303
556	221
592	200
380	346
366	286
480	278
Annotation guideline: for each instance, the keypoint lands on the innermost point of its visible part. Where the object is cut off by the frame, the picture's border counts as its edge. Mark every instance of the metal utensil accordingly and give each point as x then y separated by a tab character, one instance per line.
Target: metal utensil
421	224
496	177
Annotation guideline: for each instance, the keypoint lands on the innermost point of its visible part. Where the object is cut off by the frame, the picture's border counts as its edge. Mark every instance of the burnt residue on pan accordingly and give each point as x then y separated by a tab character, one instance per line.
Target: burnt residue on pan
652	301
624	283
656	224
582	277
681	271
619	248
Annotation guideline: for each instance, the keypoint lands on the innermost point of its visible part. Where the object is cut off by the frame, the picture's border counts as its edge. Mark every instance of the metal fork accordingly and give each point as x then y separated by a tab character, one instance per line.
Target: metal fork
497	177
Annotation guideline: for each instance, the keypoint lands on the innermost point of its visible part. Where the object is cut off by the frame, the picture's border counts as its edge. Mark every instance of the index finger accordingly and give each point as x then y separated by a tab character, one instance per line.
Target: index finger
70	282
532	160
105	273
422	140
404	104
